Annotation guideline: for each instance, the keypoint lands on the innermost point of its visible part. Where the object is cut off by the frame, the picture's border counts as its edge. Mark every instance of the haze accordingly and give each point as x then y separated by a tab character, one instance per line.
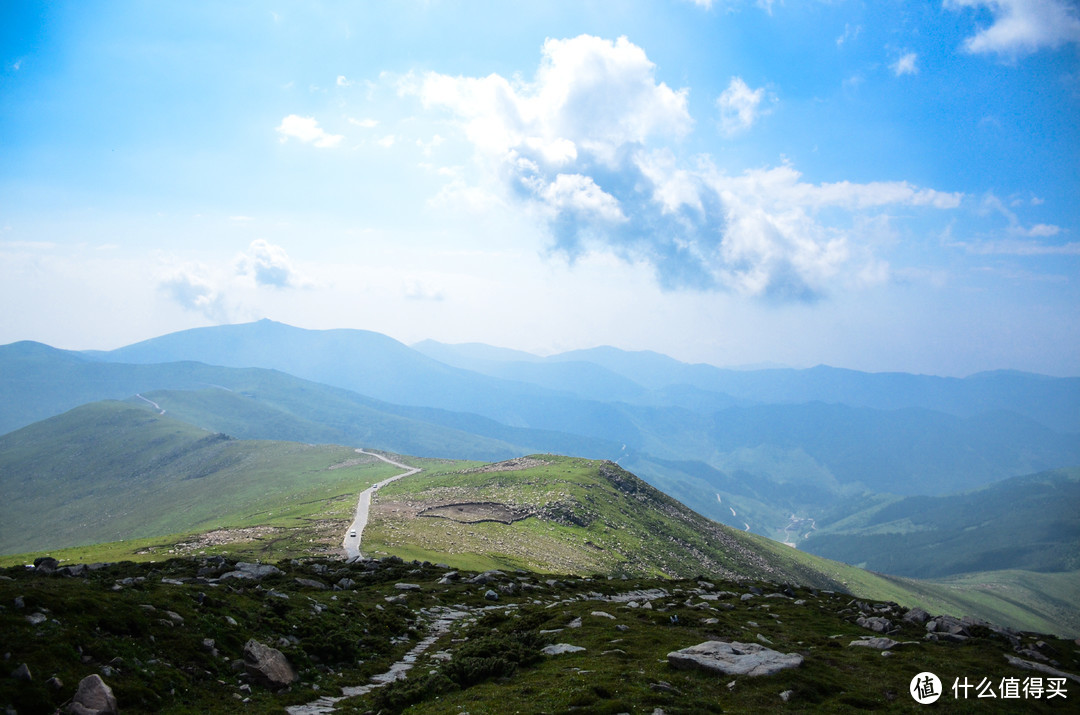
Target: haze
879	186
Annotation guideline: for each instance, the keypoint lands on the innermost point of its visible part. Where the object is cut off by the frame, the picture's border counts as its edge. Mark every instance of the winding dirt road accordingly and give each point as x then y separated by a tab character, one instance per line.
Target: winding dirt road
352	543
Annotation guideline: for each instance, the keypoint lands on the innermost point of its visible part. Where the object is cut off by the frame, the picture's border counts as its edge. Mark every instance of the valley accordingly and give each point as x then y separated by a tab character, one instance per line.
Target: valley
521	470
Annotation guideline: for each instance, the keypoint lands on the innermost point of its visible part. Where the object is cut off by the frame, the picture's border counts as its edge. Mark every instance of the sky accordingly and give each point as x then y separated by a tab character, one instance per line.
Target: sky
883	186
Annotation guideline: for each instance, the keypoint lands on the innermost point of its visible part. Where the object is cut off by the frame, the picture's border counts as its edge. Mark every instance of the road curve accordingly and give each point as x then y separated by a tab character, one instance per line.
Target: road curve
351	544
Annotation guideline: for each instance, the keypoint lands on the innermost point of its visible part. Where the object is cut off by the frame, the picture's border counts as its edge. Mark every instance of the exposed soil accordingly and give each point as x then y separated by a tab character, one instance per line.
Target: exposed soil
474	512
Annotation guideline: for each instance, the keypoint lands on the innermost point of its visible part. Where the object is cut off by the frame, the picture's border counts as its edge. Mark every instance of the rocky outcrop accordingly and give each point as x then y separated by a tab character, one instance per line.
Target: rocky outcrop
733	658
268	666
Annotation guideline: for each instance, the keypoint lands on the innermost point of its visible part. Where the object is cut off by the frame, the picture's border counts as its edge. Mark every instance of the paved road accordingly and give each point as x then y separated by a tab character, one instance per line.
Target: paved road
352	543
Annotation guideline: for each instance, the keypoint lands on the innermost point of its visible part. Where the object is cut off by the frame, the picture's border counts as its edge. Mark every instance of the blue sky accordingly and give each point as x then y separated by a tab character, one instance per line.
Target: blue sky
882	186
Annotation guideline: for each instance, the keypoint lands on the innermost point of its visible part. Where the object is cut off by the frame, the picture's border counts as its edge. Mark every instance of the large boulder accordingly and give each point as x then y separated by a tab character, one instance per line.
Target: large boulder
268	666
93	697
733	658
252	571
875	623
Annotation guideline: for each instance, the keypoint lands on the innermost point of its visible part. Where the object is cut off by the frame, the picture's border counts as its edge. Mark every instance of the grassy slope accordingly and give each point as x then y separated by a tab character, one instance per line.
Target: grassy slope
111	471
172	481
587	517
1028	522
145	630
648	533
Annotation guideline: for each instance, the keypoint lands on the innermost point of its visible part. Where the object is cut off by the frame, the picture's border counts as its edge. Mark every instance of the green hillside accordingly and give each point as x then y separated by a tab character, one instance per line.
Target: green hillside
170	638
1029	523
565	515
111	471
117	481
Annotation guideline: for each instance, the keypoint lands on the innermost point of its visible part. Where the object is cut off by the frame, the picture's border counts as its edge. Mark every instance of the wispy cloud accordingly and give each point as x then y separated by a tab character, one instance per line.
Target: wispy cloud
850	33
308	131
906	64
1021	27
740	106
588	146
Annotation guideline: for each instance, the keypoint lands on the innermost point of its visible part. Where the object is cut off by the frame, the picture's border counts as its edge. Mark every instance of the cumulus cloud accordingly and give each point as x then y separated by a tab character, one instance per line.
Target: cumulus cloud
739	106
589	145
1021	27
905	65
189	286
269	265
308	131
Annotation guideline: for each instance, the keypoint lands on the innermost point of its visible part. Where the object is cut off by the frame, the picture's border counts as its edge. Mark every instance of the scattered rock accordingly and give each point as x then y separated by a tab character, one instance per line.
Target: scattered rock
665	687
877	624
22	673
312	583
576	623
45	564
36	619
1039	667
252	571
786	695
408	587
947	625
491	595
602	614
733	658
878	643
560	648
917	616
93	697
268	666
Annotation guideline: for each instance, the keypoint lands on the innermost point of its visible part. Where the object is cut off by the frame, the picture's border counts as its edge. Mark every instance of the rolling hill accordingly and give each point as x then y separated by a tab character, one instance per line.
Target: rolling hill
743	448
1028	522
110	470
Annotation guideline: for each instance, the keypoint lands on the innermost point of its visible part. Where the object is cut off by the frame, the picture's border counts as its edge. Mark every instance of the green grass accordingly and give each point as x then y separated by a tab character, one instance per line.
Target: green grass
643	533
115	621
122	473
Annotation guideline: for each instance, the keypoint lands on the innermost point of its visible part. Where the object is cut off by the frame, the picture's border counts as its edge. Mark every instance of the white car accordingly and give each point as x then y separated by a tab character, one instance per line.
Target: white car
352	534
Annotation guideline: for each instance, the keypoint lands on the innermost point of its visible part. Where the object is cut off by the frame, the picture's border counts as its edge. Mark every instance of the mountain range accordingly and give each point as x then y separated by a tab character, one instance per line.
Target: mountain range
879	470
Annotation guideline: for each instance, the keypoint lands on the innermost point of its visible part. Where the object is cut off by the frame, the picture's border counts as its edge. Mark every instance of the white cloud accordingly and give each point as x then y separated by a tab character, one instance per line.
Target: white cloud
387	141
905	65
188	285
1021	27
342	81
366	123
580	195
739	106
588	146
269	265
307	130
588	92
